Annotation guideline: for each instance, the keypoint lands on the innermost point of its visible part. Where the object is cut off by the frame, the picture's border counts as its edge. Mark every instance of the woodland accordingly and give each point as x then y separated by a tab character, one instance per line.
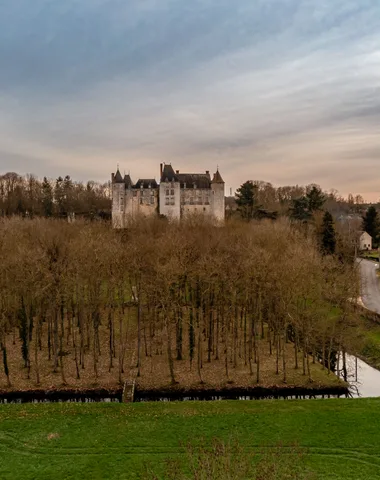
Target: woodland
186	305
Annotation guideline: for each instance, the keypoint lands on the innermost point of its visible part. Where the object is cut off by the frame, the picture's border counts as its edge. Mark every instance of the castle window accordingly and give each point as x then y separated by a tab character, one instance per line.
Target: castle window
141	200
191	201
172	201
207	201
172	192
152	200
167	191
167	201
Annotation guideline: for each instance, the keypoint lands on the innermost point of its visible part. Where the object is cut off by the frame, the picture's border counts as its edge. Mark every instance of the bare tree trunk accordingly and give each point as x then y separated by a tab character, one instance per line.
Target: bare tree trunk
75	350
139	336
36	352
169	351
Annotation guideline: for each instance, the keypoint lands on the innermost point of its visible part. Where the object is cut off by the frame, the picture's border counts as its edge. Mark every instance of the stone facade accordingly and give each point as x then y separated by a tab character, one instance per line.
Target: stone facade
178	195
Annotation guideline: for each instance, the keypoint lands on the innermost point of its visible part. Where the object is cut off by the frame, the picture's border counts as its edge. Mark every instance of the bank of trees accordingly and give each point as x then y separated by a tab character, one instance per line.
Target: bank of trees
29	196
83	301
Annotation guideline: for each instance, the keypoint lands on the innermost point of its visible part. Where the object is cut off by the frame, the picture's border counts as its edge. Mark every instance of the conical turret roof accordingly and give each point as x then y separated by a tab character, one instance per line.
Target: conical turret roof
118	177
128	181
217	178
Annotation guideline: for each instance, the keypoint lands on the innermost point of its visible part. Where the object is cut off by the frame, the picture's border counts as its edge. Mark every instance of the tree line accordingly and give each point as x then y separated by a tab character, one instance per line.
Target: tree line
256	199
29	196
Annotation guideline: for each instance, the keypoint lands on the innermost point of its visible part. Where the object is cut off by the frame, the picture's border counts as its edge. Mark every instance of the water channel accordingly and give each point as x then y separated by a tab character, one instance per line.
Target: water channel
364	382
364	379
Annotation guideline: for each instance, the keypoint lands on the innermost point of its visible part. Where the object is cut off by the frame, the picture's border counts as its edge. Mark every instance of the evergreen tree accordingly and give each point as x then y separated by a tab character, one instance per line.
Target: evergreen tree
315	198
300	210
328	236
59	196
47	198
371	224
68	195
246	199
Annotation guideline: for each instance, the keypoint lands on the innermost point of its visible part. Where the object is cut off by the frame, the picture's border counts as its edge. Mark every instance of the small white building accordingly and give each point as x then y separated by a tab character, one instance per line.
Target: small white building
365	241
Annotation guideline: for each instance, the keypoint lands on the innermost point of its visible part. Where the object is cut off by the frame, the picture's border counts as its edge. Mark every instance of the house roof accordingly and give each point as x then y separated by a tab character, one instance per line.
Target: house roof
128	181
168	174
146	183
217	178
199	180
118	177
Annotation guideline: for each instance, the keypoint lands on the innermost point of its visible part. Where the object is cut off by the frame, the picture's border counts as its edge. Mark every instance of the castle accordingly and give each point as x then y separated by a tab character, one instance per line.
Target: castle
177	195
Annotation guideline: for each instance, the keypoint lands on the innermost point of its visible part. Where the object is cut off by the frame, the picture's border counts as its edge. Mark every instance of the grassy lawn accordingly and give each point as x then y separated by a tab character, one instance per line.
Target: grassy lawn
372	255
112	441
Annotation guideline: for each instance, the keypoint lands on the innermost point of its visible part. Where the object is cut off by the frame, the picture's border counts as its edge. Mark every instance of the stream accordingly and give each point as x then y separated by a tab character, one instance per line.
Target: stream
367	383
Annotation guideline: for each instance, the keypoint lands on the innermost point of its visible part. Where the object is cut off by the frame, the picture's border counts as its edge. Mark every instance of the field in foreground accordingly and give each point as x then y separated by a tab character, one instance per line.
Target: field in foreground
113	441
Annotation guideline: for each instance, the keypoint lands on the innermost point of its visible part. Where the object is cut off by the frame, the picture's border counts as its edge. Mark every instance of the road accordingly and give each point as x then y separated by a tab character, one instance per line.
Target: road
370	289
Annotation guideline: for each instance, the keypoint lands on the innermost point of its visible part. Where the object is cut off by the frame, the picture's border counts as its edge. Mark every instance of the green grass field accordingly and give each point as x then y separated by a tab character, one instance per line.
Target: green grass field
112	441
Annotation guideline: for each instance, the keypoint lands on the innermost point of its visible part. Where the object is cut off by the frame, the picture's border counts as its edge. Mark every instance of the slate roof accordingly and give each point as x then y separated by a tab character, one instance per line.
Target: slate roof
128	181
145	183
168	174
118	177
217	178
200	180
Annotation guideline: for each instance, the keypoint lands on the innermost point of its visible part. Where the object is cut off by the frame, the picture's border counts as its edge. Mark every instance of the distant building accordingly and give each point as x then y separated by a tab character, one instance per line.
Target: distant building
177	195
365	241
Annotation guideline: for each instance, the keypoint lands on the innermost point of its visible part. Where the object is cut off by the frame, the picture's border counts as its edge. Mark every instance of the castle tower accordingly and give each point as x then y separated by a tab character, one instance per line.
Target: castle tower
118	200
170	193
217	188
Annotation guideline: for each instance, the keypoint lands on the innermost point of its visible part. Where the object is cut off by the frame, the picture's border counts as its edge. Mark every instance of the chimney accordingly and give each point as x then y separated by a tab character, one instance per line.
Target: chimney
160	170
113	178
177	171
207	172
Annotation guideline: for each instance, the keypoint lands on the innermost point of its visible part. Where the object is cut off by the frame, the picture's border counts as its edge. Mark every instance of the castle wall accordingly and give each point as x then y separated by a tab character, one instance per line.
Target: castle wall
118	205
218	201
196	201
170	200
145	201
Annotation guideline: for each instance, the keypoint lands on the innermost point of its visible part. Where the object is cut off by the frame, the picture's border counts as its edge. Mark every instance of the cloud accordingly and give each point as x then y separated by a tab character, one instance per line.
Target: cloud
281	90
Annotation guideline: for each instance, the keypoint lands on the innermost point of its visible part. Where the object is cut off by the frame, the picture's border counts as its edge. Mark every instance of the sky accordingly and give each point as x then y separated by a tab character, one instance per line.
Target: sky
285	91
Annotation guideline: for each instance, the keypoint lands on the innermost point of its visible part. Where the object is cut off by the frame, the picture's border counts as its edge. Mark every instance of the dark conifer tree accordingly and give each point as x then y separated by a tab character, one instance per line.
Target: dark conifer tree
328	236
47	198
315	198
246	199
